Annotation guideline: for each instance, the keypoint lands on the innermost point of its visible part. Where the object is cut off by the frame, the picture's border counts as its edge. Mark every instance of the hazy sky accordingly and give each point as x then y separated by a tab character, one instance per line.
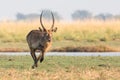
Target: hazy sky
9	8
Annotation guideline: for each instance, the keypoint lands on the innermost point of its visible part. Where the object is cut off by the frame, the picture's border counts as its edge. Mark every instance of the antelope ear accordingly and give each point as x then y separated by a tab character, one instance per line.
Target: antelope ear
40	29
54	30
45	30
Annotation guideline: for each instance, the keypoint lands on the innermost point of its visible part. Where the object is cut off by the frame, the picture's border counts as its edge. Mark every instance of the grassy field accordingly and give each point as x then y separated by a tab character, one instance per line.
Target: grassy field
78	34
60	68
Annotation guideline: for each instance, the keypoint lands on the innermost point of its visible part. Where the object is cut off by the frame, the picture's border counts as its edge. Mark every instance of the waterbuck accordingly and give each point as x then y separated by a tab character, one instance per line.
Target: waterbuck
40	40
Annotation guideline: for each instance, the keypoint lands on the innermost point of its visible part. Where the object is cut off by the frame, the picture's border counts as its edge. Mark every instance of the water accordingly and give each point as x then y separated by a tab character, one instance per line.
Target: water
66	53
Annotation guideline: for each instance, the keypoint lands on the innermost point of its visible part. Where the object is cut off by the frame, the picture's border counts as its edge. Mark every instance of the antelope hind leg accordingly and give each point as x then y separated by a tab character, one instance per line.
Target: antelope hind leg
34	58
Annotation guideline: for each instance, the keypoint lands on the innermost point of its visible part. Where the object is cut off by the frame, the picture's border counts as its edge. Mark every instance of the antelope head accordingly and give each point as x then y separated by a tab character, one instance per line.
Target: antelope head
47	32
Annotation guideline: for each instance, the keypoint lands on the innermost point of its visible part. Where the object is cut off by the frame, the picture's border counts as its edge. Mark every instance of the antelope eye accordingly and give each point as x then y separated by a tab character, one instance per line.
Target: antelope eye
47	34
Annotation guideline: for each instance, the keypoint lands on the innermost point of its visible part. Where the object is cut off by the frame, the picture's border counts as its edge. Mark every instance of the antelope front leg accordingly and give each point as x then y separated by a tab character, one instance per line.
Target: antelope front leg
42	56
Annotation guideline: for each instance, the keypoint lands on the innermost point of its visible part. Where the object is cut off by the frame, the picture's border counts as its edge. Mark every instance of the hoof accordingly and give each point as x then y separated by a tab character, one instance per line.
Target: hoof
41	60
33	67
36	65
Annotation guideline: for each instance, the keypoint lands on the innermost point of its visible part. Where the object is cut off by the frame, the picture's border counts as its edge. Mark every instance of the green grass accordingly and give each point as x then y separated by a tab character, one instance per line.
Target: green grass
53	62
60	68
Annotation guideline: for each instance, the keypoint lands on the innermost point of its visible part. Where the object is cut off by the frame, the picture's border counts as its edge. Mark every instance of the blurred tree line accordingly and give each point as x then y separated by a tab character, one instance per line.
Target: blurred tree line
33	16
76	15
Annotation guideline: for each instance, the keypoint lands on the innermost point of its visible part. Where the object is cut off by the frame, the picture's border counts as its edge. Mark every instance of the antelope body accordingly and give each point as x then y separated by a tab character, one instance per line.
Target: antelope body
40	40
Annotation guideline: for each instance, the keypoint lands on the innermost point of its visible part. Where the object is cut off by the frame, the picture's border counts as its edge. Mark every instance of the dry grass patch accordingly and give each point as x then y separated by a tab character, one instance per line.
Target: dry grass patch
60	74
89	31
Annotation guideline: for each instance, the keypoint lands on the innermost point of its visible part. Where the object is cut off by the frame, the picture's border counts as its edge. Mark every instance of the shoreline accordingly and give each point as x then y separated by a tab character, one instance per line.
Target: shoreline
68	49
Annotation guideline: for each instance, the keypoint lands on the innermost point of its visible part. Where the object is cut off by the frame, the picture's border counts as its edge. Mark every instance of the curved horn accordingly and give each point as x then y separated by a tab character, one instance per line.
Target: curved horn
41	21
53	20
